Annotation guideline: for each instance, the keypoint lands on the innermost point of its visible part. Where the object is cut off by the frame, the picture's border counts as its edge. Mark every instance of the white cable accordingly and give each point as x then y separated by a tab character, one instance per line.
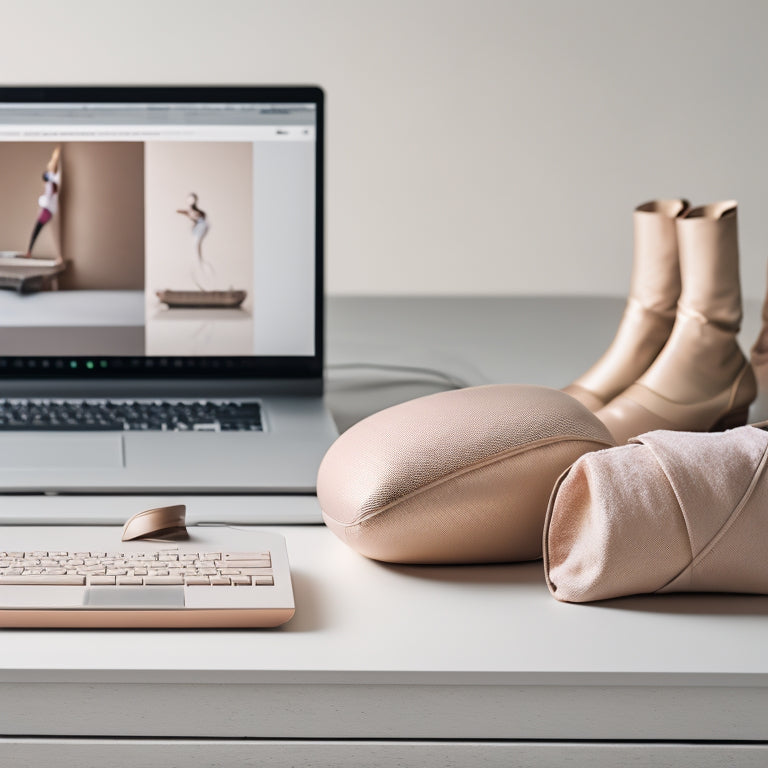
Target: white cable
453	381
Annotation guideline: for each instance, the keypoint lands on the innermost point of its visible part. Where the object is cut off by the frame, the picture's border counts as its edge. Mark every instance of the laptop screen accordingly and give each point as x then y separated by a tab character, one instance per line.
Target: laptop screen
160	231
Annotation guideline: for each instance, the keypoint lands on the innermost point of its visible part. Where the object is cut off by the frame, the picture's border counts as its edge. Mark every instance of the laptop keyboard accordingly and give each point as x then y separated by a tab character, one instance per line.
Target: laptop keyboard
138	569
129	415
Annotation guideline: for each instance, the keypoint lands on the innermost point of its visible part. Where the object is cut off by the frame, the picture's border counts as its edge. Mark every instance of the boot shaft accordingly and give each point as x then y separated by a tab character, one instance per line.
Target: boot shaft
655	282
709	265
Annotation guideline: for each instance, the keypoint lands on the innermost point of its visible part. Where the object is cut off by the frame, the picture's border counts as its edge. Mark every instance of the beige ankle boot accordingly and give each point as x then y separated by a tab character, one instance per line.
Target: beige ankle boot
701	380
650	311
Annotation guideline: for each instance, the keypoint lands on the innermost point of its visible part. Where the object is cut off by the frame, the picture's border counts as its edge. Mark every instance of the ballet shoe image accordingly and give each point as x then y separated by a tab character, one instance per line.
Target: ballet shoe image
649	314
701	380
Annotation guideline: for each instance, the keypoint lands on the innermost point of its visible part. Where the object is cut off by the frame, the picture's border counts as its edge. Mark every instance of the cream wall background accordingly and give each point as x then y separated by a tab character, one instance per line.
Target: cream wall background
474	146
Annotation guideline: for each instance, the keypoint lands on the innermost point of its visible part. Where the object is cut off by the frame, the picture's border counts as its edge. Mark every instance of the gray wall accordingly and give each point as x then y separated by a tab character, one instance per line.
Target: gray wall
474	146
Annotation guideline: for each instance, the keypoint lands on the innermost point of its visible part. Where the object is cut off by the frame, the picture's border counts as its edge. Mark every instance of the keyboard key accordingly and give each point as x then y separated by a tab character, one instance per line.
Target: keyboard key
163	580
44	579
100	580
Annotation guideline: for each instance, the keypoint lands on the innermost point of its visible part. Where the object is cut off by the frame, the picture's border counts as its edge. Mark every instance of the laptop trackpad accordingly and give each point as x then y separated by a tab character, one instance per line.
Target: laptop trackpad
134	597
29	450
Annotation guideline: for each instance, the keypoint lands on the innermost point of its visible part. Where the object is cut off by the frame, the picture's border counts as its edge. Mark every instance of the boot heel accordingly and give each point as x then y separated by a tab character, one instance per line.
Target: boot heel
732	420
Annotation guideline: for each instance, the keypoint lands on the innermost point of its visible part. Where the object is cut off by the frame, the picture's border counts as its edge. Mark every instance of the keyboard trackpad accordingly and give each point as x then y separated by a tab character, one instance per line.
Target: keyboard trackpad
134	597
63	451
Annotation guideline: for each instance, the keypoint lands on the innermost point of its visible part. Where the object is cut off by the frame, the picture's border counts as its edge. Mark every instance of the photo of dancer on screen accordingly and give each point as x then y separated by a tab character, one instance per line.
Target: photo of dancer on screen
49	200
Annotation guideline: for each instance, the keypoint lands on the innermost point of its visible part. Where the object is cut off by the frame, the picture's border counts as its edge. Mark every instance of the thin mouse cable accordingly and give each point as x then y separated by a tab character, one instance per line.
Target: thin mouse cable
231	526
453	381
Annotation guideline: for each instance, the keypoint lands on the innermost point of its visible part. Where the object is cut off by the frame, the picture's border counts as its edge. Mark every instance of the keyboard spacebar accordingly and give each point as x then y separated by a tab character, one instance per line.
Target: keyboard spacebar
22	426
42	580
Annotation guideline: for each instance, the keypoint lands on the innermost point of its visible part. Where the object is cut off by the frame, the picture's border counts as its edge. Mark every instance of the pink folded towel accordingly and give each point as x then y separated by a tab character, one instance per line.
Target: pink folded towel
668	512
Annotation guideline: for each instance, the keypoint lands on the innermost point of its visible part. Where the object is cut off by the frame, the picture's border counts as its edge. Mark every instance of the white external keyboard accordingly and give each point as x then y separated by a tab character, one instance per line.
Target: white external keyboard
87	577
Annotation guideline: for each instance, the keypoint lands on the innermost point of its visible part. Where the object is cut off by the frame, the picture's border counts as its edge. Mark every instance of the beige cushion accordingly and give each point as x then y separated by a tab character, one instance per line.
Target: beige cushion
457	477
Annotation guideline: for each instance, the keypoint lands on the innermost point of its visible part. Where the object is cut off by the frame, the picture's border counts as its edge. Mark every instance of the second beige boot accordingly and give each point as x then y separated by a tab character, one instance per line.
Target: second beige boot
650	310
701	380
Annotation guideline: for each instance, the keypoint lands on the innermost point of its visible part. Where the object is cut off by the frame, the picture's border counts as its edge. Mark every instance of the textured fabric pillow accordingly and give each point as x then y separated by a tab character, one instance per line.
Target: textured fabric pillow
457	477
670	512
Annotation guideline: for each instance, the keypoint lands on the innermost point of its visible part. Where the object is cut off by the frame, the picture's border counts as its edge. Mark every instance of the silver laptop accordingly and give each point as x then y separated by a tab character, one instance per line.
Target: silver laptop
161	290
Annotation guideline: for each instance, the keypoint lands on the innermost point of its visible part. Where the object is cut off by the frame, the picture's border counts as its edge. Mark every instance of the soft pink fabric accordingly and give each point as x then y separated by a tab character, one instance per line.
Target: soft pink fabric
671	511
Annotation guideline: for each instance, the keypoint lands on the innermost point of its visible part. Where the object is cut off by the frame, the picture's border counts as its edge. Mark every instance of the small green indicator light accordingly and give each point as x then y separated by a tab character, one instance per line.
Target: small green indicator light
73	363
89	365
103	363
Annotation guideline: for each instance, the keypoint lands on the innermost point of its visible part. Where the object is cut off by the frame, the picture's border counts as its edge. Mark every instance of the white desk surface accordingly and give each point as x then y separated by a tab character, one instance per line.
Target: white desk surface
383	652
